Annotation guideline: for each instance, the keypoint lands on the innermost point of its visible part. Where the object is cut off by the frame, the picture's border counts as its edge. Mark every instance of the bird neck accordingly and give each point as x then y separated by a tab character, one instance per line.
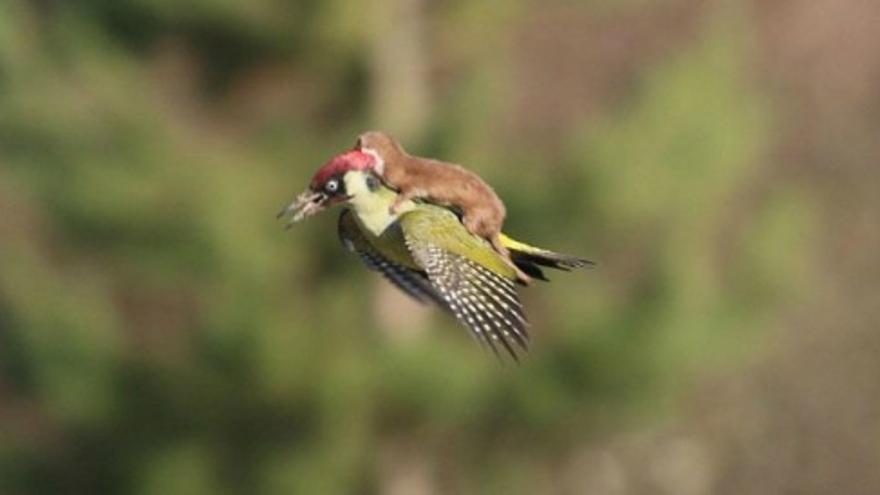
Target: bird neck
372	208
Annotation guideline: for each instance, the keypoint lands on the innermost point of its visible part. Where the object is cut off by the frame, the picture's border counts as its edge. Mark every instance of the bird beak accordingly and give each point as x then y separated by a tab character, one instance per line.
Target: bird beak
305	205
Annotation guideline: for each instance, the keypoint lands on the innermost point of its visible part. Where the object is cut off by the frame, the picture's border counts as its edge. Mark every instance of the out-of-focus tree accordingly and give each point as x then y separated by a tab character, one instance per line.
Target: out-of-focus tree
159	333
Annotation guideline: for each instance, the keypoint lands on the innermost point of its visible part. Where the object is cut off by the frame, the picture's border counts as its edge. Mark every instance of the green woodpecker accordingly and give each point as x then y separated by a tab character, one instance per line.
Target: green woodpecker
426	251
481	210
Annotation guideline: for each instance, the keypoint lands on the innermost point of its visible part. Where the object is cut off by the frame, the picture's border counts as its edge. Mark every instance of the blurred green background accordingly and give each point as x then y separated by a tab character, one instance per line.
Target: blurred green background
161	333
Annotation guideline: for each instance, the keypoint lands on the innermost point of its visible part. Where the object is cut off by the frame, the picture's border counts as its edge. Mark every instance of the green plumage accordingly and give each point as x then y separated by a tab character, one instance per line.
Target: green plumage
427	252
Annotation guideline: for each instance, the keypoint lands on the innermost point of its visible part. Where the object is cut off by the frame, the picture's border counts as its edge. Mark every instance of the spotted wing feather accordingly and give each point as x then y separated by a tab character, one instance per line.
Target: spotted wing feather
481	299
414	283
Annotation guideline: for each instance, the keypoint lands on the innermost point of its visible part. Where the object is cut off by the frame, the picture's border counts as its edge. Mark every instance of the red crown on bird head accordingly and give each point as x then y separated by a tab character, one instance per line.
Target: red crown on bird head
350	160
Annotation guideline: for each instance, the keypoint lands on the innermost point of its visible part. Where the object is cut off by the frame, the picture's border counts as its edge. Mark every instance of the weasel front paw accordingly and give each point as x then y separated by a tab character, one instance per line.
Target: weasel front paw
395	206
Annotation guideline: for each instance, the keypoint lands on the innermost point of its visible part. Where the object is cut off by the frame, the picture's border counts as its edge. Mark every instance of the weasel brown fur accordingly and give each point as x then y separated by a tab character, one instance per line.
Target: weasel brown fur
444	183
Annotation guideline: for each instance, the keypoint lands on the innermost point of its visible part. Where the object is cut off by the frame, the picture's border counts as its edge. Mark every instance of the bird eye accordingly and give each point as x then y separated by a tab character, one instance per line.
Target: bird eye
332	186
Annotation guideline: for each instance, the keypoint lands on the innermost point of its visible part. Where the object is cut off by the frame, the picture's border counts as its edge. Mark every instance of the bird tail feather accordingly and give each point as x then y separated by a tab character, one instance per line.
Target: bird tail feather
530	258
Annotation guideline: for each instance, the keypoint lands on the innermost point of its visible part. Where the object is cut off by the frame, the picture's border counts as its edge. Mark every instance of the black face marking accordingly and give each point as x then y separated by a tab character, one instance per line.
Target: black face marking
372	183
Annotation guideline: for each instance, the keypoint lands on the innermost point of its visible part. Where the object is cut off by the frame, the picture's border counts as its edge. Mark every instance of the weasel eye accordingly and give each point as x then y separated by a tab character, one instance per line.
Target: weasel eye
332	186
372	183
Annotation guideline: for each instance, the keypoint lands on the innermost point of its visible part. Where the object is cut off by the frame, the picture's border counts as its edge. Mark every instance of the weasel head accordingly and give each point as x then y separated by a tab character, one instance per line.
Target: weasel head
381	146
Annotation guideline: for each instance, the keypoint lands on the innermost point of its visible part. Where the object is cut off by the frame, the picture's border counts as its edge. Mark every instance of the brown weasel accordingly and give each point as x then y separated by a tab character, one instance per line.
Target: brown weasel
444	183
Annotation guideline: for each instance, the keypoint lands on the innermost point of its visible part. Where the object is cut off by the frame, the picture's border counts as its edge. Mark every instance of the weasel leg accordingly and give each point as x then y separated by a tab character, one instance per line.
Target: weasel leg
495	240
401	198
488	230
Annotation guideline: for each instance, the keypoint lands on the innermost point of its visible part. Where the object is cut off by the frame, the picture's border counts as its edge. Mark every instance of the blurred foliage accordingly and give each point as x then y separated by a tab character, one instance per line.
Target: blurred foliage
160	333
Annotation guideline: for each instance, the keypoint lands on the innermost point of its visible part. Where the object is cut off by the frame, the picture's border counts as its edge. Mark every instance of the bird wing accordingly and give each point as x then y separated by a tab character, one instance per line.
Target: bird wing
413	282
476	284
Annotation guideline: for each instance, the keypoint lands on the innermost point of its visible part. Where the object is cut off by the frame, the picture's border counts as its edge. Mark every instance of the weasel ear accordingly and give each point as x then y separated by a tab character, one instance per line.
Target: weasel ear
378	162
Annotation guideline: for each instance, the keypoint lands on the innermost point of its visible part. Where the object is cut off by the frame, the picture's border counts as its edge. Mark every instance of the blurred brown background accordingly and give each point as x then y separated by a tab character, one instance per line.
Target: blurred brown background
160	333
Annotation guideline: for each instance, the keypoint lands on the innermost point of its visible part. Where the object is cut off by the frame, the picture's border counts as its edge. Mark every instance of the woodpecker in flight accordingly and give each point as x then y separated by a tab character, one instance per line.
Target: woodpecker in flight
426	251
482	211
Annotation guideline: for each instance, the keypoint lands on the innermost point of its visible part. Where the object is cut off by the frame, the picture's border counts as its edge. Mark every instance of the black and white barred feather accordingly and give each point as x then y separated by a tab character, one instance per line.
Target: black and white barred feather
413	283
482	300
